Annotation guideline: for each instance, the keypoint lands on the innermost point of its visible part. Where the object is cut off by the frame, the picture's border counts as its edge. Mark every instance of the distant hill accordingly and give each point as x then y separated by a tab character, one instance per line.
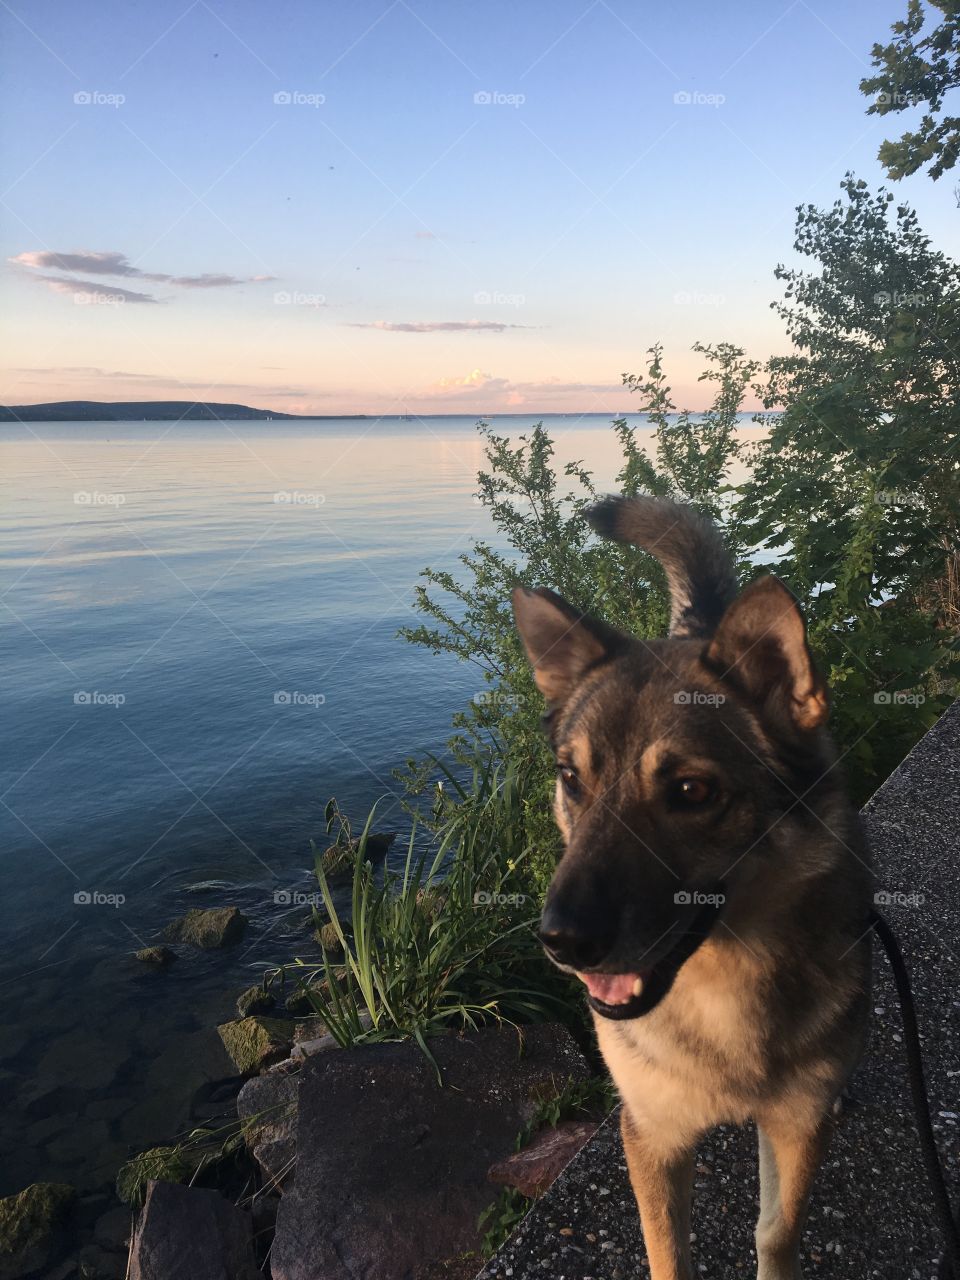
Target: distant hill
139	410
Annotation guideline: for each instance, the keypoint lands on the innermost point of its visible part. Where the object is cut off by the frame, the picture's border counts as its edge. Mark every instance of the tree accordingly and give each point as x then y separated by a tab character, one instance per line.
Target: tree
855	494
913	70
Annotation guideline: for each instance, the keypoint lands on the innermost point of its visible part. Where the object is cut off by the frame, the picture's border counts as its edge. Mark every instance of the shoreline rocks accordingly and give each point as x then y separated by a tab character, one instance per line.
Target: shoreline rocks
32	1226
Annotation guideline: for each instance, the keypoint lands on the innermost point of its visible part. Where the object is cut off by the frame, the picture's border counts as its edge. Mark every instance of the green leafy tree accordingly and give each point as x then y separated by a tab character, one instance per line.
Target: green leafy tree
854	497
915	69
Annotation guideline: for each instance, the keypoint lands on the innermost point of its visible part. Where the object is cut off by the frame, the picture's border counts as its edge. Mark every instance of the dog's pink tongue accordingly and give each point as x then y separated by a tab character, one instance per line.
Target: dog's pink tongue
610	988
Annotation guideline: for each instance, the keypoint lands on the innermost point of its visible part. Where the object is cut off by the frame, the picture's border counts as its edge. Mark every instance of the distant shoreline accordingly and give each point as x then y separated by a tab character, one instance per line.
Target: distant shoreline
195	411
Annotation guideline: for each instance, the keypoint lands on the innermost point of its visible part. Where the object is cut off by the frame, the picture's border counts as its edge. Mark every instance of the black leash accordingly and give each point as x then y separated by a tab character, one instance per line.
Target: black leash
950	1262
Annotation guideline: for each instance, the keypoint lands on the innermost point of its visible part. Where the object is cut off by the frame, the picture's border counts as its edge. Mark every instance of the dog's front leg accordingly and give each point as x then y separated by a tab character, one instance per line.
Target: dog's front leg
661	1173
791	1150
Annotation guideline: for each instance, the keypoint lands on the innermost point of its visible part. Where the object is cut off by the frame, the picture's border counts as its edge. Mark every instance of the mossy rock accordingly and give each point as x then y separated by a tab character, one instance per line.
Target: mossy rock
159	1164
329	939
253	1043
156	955
255	1000
208	928
299	1003
31	1225
340	855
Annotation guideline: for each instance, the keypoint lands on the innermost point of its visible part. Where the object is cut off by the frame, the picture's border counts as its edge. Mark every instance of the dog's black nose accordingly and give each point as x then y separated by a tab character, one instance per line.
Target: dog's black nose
573	941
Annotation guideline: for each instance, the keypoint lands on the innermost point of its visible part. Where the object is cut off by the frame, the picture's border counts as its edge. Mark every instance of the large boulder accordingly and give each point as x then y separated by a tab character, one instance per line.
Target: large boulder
189	1233
380	1107
32	1228
208	928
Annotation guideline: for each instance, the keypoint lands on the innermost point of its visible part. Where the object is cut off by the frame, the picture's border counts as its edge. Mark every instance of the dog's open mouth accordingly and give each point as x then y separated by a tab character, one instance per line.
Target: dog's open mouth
619	996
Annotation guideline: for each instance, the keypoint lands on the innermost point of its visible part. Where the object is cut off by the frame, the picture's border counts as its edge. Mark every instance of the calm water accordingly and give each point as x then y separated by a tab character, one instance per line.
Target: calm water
199	649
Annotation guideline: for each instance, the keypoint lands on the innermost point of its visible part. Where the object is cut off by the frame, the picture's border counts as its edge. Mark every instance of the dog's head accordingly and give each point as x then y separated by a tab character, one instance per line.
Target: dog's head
675	757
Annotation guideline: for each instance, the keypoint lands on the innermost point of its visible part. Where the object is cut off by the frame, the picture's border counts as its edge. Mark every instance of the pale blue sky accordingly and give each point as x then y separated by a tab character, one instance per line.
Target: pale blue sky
537	243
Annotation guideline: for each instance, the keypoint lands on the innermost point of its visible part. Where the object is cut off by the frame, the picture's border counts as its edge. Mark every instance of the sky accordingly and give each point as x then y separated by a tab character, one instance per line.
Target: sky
416	206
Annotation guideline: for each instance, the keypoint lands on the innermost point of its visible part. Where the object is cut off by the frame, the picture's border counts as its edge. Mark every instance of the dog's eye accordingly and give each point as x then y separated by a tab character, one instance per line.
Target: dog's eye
692	793
571	783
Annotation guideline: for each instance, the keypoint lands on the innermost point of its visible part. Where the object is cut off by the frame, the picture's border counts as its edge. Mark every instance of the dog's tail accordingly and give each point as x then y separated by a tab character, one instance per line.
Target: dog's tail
699	569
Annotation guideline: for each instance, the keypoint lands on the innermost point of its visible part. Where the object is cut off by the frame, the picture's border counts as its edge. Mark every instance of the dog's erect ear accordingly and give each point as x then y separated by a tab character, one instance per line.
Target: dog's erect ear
761	647
561	643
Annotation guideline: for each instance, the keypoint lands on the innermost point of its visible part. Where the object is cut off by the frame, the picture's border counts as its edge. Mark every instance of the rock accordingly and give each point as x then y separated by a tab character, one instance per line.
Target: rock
255	1000
299	1003
380	1106
156	955
307	1048
208	928
329	939
169	1164
112	1230
191	1232
268	1107
32	1228
340	855
101	1264
541	1162
253	1043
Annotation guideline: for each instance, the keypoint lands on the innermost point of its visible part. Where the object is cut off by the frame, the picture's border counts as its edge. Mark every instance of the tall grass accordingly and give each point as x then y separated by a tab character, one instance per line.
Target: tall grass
448	940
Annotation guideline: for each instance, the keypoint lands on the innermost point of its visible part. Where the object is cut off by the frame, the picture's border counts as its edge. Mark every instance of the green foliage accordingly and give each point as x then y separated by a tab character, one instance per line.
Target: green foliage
917	69
446	942
544	539
501	1218
854	496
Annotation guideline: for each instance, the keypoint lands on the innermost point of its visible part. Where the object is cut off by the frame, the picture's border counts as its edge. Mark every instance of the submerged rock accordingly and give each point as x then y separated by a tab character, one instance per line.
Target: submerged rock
256	1042
191	1231
208	928
32	1228
156	955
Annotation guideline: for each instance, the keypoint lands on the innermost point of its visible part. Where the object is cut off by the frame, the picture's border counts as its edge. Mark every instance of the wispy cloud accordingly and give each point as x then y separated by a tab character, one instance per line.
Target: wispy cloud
437	326
110	262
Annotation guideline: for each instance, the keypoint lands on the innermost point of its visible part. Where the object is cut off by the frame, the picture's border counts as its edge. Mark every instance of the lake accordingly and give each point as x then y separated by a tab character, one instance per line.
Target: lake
199	650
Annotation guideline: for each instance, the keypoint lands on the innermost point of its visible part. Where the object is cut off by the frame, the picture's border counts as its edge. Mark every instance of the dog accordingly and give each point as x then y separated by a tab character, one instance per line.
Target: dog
714	889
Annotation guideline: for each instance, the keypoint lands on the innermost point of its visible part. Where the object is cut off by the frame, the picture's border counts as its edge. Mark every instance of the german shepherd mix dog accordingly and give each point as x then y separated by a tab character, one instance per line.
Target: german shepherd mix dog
714	891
